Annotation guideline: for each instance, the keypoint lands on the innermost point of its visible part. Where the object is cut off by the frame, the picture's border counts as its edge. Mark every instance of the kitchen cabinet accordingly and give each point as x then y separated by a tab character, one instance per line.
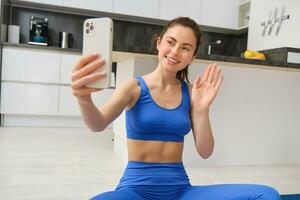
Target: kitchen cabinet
30	81
30	65
103	5
51	2
68	105
217	13
29	99
244	13
137	8
68	62
169	9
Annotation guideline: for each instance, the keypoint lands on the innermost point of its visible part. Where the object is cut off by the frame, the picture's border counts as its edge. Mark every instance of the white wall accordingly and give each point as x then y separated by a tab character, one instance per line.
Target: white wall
289	32
255	118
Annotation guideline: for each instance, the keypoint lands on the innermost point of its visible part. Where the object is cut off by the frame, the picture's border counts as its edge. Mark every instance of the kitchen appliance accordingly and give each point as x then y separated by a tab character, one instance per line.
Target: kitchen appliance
38	31
65	40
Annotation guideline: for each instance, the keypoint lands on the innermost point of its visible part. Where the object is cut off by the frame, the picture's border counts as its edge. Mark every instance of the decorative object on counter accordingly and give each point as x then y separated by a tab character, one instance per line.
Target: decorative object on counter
13	34
274	20
65	40
38	31
249	54
209	45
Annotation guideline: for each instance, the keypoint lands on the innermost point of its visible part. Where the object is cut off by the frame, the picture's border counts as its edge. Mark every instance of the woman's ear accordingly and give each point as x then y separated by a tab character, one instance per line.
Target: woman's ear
158	41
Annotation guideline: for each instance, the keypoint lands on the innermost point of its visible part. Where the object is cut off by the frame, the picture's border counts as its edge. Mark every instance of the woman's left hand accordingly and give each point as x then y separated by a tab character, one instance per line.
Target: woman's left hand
205	88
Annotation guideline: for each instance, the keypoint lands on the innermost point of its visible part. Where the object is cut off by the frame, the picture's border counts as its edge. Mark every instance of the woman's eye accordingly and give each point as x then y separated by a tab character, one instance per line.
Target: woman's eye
186	48
169	42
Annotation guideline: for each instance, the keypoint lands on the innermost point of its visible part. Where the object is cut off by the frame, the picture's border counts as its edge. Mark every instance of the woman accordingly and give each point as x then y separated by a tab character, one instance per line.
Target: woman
161	108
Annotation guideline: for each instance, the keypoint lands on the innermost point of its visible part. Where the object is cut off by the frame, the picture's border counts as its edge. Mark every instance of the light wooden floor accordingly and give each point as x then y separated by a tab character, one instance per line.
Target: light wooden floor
73	163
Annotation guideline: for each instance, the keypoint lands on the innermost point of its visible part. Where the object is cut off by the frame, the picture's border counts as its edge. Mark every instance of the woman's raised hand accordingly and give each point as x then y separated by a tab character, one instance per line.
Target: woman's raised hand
205	88
83	74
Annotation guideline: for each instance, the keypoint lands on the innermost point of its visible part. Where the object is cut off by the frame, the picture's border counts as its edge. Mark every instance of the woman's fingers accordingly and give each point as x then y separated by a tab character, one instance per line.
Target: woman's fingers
82	82
87	69
85	60
197	81
206	73
212	73
85	91
219	83
216	77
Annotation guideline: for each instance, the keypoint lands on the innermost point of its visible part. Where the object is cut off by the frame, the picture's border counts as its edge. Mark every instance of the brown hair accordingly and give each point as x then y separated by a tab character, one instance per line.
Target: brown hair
185	22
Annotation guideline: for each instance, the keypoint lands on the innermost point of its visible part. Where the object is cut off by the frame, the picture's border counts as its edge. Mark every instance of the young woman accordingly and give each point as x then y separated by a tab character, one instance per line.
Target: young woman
161	108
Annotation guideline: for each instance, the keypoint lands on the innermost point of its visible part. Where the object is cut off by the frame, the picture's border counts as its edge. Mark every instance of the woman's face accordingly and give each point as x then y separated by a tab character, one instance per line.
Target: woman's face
176	48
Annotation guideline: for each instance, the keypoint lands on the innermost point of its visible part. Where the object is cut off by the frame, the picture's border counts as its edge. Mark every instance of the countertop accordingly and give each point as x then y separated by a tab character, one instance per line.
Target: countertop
119	56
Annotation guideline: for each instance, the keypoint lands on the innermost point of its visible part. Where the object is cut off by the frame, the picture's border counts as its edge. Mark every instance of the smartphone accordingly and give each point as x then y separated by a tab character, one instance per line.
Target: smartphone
97	38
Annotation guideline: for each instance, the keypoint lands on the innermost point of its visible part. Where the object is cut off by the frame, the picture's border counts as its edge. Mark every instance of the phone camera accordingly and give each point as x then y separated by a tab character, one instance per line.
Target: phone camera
92	27
87	24
87	31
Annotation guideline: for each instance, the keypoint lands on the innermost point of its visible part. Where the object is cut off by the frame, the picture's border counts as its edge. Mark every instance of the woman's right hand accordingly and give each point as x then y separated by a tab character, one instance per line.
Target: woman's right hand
83	74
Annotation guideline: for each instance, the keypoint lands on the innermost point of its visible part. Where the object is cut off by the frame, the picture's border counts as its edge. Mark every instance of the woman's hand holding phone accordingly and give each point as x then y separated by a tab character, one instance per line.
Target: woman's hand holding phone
84	74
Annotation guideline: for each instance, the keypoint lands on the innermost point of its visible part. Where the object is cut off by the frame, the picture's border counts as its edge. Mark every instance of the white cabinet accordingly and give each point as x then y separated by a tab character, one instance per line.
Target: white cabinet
217	13
68	105
30	65
51	2
67	102
169	9
137	8
30	99
103	5
68	62
244	13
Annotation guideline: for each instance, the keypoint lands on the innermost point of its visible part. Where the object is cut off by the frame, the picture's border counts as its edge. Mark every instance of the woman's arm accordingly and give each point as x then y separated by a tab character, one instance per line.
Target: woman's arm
98	118
203	92
202	132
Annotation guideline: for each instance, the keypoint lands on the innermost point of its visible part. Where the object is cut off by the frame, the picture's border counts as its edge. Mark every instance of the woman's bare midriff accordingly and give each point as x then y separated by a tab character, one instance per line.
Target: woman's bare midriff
154	151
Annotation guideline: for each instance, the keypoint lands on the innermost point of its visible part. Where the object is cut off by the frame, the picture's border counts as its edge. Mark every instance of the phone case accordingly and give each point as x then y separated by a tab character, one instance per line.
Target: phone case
97	38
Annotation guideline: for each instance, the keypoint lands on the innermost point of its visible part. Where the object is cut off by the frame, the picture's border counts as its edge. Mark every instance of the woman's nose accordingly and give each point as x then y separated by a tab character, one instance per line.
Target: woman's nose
175	49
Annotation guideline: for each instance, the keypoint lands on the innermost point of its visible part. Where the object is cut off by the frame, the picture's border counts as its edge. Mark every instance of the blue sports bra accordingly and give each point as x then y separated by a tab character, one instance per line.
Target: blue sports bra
146	120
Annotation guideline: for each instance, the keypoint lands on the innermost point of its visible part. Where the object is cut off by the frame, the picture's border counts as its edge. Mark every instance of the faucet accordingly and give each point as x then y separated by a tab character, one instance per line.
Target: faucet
209	45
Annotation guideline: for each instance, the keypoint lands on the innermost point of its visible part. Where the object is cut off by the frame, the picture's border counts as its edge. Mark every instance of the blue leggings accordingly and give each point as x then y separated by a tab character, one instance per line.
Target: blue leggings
169	181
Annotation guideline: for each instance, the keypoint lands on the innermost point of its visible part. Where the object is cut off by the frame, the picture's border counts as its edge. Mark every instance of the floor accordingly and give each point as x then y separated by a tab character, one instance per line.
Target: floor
73	163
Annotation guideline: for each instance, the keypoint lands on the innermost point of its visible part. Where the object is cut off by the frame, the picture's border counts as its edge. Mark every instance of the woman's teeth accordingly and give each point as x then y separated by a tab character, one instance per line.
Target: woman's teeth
172	60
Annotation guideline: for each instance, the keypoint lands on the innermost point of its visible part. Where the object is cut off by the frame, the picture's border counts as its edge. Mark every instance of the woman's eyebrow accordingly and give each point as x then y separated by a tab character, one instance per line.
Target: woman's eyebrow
170	37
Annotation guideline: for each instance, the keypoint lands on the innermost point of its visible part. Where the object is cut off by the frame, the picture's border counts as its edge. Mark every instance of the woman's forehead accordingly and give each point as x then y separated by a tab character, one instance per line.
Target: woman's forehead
181	34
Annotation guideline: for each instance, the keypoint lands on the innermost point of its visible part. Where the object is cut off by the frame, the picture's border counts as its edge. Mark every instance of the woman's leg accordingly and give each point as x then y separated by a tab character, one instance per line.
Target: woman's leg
120	194
231	192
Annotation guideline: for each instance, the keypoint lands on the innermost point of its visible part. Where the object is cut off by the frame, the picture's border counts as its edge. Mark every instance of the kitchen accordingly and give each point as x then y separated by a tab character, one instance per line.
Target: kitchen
256	111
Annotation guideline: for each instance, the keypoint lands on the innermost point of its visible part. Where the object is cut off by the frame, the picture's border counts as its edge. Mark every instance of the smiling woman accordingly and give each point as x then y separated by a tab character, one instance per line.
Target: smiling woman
161	108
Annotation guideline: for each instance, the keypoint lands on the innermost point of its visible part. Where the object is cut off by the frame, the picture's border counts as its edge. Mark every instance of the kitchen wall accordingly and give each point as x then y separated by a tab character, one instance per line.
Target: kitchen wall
288	35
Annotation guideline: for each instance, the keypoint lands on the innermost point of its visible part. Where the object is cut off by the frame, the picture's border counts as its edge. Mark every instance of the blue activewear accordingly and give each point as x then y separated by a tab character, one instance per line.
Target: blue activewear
146	120
168	181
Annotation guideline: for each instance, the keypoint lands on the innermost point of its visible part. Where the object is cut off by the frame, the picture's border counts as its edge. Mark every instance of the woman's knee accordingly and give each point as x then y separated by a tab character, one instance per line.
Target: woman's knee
268	193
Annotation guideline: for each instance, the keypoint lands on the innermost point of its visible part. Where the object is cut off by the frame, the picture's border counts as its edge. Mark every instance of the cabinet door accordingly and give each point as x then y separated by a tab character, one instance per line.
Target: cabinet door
137	8
67	65
103	5
30	65
67	102
68	105
217	13
169	9
31	99
51	2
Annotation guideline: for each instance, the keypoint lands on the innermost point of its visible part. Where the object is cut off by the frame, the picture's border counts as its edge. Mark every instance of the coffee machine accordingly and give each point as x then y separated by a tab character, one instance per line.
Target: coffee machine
38	31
